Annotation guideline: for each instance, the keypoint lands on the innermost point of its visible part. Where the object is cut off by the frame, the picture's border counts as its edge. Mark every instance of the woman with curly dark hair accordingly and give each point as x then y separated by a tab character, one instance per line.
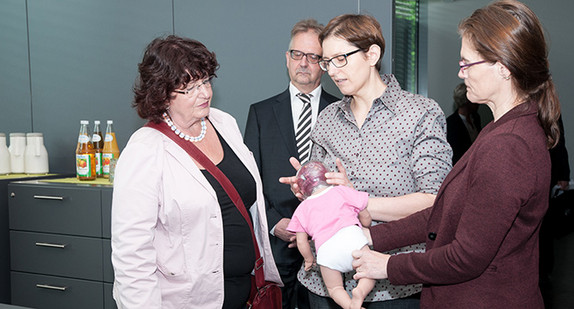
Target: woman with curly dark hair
178	240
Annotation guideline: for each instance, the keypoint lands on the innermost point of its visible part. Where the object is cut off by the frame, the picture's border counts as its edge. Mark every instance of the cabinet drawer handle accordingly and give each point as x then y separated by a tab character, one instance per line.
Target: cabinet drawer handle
48	197
45	244
51	287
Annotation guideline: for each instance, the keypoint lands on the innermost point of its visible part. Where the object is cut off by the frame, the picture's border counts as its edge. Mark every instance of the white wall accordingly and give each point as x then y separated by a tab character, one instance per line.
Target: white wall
444	48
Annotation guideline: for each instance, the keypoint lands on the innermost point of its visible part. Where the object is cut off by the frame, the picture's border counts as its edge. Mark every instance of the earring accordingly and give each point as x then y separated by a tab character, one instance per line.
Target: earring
506	77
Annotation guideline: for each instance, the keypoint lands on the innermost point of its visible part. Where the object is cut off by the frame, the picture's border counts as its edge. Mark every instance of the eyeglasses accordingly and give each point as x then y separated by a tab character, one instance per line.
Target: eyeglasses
338	61
206	82
298	55
464	66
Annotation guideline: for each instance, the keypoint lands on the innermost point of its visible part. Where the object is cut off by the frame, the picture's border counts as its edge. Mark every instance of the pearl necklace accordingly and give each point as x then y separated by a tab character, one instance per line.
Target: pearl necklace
183	135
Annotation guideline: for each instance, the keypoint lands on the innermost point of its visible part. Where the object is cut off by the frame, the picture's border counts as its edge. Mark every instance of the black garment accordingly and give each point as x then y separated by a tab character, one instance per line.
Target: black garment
560	172
238	250
457	134
559	159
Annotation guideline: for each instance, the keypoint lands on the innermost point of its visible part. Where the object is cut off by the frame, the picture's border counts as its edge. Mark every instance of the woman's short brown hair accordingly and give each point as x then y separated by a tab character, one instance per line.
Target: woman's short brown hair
168	64
359	30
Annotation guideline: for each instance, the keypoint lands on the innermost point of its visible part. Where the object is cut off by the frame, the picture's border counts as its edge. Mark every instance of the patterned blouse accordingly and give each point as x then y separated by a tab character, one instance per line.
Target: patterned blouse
401	148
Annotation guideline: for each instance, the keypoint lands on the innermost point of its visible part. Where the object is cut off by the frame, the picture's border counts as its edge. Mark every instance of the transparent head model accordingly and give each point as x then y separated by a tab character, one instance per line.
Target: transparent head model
311	176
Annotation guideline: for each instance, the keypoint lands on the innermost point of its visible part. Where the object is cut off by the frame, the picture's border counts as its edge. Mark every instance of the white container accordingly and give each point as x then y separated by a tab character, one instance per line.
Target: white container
17	148
4	156
36	155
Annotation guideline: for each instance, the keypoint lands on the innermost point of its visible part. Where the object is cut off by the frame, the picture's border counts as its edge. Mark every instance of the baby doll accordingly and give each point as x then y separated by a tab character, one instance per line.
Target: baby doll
332	216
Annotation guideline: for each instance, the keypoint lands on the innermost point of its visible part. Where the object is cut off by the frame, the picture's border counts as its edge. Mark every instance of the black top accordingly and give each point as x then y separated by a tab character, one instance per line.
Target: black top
457	134
238	250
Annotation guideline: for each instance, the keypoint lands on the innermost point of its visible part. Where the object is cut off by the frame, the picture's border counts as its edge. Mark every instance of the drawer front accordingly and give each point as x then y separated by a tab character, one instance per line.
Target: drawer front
107	258
55	210
107	213
48	292
60	255
109	302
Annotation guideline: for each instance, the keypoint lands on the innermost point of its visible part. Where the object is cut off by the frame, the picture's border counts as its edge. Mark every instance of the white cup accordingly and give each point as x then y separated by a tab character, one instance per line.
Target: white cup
4	156
36	155
17	148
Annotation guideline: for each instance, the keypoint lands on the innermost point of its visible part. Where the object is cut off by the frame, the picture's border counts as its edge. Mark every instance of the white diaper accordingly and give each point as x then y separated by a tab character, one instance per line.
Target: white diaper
336	253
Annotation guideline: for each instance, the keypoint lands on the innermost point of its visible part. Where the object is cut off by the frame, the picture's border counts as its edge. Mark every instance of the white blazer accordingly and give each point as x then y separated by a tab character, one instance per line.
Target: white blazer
167	229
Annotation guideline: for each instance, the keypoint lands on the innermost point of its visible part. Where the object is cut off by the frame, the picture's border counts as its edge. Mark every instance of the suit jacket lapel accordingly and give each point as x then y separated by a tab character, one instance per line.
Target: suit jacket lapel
322	101
282	113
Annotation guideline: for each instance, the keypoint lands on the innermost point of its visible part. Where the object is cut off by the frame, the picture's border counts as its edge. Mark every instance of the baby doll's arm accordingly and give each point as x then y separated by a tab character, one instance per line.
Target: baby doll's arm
365	217
305	249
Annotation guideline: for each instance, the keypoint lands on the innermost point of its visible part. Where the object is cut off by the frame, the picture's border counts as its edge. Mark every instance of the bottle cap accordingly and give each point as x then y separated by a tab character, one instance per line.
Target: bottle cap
96	122
110	121
84	122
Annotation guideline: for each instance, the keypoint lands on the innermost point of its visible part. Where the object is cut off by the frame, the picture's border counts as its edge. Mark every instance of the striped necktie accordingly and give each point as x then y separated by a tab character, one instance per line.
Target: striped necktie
303	135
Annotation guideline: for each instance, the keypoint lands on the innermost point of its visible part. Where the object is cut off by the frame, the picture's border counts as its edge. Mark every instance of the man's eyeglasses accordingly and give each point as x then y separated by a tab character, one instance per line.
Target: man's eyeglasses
338	61
298	55
464	66
206	82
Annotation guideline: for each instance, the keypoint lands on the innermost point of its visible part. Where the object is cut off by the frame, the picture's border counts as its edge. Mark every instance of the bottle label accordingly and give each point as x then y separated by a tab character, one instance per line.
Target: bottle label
106	158
96	138
83	139
109	138
83	165
99	169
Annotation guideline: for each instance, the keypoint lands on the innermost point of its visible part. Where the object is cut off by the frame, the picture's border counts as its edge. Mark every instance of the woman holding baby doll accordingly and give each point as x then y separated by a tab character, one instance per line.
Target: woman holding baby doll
391	143
482	232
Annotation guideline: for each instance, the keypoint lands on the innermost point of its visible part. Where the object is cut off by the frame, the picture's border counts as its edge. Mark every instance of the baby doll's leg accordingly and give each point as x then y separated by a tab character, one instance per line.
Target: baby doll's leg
334	282
364	286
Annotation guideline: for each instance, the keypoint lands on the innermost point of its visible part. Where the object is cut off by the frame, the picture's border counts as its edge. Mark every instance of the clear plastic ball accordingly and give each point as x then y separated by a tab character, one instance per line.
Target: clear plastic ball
311	176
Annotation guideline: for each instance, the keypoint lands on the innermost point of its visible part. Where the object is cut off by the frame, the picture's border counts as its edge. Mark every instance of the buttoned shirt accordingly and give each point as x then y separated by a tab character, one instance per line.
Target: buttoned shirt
401	148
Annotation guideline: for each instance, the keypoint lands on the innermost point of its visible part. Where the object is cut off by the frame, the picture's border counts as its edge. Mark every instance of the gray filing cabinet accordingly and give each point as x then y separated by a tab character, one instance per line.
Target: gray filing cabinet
60	245
4	231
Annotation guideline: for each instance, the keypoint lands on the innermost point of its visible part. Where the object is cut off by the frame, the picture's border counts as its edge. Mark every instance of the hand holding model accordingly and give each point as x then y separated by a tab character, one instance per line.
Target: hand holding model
332	215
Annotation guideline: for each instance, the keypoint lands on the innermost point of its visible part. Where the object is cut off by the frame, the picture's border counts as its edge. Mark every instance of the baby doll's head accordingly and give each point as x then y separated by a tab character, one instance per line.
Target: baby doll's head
311	176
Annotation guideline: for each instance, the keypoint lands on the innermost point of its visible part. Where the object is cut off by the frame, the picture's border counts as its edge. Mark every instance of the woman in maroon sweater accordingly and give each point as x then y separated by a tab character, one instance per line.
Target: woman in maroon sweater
482	232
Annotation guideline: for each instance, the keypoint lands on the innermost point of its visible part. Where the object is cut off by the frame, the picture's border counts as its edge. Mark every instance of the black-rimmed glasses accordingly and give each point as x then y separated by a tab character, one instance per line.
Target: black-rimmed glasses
464	66
206	82
298	55
338	61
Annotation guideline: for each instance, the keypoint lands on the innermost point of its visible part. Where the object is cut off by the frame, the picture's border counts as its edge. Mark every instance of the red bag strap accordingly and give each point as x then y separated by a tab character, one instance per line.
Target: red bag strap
200	157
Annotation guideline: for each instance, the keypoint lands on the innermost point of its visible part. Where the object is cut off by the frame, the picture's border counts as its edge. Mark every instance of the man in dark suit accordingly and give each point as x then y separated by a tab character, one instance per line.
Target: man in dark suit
559	176
270	134
463	126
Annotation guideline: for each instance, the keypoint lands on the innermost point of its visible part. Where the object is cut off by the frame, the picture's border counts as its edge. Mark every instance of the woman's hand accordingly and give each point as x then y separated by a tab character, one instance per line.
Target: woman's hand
333	178
292	180
370	264
339	178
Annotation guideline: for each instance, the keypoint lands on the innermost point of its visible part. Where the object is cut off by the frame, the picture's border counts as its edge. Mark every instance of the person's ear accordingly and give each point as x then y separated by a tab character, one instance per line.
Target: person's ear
287	58
503	71
373	54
